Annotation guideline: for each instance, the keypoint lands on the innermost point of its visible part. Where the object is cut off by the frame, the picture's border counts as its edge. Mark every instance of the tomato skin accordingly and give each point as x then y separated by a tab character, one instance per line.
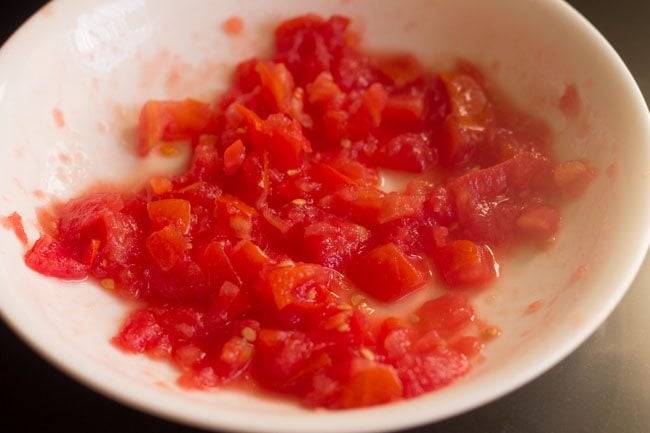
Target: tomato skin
400	274
465	264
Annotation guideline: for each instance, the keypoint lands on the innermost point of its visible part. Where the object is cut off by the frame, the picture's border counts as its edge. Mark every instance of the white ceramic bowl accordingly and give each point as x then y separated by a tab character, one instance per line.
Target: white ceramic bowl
74	76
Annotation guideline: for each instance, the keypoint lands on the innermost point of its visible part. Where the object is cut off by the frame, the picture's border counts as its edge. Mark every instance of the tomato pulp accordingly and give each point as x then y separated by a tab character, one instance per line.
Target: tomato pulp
260	263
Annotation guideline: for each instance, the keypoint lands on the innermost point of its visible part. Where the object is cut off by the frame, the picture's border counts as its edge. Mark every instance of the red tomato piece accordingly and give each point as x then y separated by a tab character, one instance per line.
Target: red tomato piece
236	215
280	135
373	103
171	120
399	276
48	257
397	205
122	241
229	304
483	201
465	264
446	314
471	115
405	108
233	157
357	172
286	142
429	370
468	346
323	92
277	83
217	264
305	287
308	45
409	152
401	69
86	212
468	100
140	333
236	355
333	243
361	204
281	355
167	247
171	211
248	260
371	384
160	185
539	222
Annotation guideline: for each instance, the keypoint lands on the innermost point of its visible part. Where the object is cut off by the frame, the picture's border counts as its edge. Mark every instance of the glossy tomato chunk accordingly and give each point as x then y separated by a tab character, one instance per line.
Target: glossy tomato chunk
167	247
334	243
48	257
466	264
446	314
172	211
371	384
303	287
172	120
399	275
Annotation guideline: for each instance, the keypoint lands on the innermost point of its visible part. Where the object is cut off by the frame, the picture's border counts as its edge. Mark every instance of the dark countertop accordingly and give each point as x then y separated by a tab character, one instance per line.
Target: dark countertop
603	387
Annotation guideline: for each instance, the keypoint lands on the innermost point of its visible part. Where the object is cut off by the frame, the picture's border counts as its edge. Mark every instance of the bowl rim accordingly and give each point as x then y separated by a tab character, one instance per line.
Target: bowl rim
375	419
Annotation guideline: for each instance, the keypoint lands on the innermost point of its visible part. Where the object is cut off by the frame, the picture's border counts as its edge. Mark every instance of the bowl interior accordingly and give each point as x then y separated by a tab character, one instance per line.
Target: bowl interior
71	84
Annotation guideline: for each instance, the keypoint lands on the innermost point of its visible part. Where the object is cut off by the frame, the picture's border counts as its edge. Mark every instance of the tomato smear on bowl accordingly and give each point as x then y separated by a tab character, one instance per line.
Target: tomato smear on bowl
250	266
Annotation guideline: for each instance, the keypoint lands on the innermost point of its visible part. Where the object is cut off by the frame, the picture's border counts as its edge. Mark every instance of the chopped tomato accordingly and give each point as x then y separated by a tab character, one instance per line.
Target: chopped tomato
466	264
248	260
446	314
140	333
171	211
400	274
370	385
303	286
48	257
334	243
167	247
172	120
408	152
233	157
